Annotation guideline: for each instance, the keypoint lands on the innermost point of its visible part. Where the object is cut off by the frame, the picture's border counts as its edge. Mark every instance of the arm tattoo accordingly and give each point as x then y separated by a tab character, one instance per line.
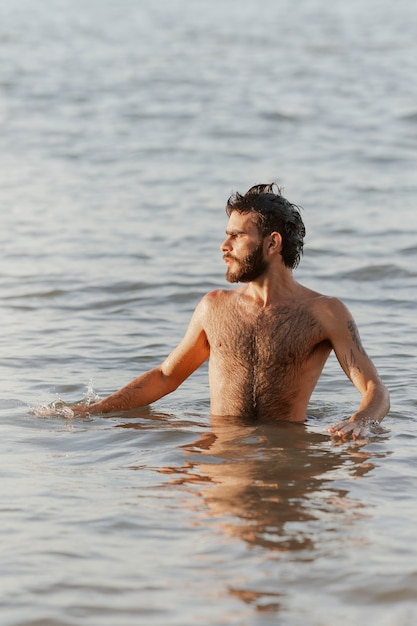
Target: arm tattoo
355	336
350	362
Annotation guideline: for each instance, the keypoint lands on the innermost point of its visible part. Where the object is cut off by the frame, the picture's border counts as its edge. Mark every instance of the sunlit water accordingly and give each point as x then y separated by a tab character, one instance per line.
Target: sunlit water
125	126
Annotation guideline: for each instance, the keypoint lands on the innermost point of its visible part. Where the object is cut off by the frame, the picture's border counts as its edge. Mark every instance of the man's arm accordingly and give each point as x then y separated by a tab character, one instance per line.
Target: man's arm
192	351
358	367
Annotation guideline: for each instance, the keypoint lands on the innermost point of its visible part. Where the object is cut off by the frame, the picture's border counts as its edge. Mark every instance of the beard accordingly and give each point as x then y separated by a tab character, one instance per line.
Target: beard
250	267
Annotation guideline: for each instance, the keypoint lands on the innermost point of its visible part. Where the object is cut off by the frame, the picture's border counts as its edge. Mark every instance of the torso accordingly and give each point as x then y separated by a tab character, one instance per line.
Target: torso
264	361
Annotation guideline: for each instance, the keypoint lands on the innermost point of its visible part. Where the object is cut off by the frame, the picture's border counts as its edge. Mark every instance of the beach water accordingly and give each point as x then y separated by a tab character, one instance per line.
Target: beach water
126	125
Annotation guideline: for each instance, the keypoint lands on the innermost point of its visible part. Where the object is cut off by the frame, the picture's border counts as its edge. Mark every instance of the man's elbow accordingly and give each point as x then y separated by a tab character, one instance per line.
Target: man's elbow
169	381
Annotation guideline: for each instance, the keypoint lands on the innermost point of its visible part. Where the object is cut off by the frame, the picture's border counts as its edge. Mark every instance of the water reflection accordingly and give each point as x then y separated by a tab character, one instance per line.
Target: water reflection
272	485
284	489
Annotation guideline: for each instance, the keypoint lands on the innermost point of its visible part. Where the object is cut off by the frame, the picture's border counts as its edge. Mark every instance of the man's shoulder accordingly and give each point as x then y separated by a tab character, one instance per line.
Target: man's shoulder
216	300
328	309
219	296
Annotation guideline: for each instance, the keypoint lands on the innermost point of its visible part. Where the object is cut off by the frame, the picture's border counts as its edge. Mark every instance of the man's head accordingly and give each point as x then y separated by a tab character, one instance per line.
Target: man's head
272	213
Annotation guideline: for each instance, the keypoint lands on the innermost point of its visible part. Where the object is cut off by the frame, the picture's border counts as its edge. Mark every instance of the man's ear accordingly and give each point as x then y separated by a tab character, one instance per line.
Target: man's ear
274	243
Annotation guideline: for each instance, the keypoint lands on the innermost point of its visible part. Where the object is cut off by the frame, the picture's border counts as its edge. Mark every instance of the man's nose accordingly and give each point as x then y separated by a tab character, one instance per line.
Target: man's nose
226	245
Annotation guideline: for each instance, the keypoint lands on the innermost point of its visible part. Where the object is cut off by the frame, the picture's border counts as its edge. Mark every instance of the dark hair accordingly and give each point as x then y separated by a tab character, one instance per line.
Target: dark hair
273	213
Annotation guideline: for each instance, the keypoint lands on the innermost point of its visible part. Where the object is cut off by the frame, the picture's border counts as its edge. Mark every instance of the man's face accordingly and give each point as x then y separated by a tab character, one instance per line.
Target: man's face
243	249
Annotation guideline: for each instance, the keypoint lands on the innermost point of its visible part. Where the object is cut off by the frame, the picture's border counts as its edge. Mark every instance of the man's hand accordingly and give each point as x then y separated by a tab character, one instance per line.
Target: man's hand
79	410
356	427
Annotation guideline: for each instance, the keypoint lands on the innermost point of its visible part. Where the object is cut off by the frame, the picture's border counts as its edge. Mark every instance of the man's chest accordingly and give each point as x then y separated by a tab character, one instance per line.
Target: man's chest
267	336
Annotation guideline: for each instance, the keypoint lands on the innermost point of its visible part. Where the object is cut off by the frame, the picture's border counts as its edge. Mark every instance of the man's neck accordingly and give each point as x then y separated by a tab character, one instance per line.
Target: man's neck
272	287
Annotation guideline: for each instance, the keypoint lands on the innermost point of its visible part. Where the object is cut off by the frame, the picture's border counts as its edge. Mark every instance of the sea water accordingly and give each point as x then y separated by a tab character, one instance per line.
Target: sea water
125	127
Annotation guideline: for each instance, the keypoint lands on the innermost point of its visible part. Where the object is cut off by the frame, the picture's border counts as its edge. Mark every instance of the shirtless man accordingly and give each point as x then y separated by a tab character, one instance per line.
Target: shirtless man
268	340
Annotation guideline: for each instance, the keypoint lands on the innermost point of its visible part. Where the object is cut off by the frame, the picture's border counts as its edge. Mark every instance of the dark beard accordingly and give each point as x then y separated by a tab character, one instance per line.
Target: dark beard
251	267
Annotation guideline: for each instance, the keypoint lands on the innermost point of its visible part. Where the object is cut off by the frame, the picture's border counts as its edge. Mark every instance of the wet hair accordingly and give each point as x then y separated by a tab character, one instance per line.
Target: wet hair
273	213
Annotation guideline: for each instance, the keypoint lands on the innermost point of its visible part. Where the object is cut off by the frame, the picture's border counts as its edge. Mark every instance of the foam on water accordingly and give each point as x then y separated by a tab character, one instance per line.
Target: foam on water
60	408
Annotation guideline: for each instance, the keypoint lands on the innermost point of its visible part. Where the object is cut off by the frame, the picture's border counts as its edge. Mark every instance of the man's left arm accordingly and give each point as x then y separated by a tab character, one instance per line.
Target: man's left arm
359	368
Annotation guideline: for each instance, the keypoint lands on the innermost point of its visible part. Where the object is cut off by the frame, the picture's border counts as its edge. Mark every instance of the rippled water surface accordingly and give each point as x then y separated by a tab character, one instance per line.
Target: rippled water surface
125	127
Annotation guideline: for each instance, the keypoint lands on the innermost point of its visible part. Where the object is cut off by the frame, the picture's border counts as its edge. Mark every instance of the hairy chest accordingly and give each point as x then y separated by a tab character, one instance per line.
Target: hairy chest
280	338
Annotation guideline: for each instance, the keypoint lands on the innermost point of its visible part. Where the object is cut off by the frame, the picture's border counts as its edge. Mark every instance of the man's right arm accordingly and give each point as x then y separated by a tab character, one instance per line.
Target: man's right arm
143	390
192	351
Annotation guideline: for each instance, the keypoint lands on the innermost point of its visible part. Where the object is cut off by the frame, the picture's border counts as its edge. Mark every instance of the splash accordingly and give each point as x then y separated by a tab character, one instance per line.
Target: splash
57	408
90	395
60	408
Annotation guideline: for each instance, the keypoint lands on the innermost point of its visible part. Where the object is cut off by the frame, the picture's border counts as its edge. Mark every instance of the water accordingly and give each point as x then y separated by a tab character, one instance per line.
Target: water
125	126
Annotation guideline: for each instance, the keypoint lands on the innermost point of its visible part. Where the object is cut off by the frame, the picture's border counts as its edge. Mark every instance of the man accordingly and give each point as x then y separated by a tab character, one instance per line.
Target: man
268	340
